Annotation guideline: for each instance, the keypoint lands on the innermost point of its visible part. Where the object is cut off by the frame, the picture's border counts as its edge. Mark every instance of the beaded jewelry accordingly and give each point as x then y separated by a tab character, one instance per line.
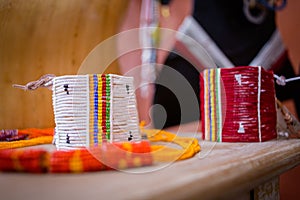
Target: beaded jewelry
107	156
95	118
29	137
238	104
11	135
256	10
287	124
91	104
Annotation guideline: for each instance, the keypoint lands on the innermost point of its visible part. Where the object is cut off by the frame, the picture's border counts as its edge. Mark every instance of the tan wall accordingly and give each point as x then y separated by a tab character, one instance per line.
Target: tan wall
288	21
289	26
41	37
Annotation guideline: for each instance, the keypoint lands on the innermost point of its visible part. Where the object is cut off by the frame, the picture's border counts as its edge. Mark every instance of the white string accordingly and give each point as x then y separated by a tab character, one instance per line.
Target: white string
281	80
292	79
258	103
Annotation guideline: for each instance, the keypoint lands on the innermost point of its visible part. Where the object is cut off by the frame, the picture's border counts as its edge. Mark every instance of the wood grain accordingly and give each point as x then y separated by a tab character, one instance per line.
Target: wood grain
42	37
219	171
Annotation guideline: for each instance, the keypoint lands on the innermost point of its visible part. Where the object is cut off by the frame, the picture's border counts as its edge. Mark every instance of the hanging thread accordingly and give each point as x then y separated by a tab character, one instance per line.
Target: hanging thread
281	80
44	81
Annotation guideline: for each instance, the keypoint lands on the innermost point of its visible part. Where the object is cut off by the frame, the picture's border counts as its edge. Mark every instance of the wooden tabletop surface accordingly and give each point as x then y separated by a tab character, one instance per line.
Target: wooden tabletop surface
219	170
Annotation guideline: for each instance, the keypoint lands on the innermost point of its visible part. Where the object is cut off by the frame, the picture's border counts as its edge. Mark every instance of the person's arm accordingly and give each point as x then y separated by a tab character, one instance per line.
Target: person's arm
130	61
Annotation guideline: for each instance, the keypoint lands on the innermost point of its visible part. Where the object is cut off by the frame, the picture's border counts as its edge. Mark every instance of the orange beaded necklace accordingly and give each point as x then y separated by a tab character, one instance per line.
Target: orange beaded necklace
106	157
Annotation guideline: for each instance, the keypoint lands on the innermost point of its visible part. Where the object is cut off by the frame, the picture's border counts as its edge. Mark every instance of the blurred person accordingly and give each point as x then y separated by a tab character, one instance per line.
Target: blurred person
234	33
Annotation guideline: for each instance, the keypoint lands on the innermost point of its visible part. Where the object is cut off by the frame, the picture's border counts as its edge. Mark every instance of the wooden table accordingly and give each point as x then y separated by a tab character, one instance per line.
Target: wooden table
220	170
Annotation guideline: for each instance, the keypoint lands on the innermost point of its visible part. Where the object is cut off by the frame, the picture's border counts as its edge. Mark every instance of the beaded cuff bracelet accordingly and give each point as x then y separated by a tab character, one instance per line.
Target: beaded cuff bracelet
92	109
238	104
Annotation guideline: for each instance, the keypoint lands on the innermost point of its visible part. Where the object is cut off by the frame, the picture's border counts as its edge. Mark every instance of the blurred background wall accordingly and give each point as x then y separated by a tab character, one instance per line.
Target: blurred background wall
40	37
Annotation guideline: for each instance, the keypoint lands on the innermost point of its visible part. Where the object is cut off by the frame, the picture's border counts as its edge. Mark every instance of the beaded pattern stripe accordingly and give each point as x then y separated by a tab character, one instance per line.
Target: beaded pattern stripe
93	109
99	109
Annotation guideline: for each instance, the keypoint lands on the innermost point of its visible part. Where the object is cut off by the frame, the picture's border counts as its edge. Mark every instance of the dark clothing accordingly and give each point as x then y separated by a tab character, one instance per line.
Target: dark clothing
239	39
227	25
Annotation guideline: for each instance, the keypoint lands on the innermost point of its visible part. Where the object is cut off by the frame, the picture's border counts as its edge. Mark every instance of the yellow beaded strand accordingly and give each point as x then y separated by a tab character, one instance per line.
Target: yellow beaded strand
26	143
